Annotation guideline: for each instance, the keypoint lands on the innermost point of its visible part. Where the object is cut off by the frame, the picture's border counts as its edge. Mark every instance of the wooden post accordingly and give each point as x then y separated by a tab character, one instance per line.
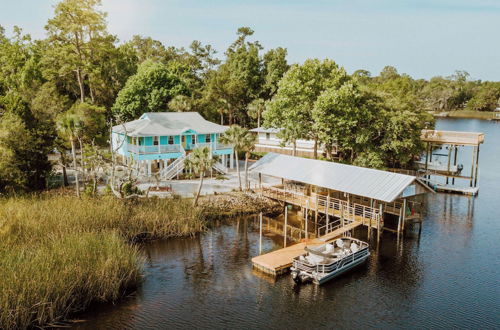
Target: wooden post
307	217
260	181
472	166
316	215
403	216
454	163
399	222
477	166
286	224
342	214
371	216
449	159
260	234
427	158
327	207
379	227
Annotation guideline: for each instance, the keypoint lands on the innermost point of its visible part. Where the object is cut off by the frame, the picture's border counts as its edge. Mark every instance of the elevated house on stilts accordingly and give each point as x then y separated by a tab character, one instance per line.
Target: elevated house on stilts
159	142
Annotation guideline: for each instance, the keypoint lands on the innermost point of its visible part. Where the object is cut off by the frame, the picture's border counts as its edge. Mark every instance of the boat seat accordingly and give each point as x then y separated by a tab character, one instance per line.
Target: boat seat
354	247
329	248
339	243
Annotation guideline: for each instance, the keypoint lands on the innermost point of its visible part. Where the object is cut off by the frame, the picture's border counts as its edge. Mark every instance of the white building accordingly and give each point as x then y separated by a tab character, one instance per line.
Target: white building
268	141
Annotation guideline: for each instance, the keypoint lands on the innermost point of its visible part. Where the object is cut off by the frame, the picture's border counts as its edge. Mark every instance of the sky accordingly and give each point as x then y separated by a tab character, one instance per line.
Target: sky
423	38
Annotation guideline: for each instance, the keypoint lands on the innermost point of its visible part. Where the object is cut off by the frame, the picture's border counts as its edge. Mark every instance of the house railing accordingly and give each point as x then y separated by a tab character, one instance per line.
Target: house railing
159	149
172	148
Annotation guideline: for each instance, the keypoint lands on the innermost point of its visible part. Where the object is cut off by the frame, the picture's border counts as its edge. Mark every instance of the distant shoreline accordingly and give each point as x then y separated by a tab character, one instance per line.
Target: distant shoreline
467	114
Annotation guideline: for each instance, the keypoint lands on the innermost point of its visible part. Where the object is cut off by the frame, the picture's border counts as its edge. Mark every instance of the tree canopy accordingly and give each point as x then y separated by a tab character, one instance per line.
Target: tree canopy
80	69
149	90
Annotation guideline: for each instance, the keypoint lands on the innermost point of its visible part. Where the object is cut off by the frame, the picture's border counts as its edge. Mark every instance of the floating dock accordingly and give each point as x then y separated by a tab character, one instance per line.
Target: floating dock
279	262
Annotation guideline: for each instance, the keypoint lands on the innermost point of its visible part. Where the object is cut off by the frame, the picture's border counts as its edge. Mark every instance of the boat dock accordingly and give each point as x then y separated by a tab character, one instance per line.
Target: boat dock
334	199
278	262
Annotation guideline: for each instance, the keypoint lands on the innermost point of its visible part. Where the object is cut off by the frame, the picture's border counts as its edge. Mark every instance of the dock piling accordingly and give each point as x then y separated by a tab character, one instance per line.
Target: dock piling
260	233
286	224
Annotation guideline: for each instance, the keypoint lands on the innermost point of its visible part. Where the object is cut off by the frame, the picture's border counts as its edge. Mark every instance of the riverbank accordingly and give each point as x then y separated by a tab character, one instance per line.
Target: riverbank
237	203
59	253
467	114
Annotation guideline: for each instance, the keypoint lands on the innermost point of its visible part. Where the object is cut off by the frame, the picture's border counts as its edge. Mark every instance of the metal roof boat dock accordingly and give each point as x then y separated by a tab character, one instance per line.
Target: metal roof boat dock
340	197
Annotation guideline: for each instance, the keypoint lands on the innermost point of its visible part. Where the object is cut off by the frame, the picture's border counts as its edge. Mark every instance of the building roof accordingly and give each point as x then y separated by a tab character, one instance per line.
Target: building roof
380	185
168	123
265	130
452	137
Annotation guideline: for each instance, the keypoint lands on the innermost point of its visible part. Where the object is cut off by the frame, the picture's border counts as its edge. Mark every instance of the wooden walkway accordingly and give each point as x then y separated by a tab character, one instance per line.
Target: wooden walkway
279	261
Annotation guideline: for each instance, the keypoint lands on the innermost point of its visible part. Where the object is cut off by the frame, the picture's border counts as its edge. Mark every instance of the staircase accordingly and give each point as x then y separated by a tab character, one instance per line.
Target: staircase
219	167
172	170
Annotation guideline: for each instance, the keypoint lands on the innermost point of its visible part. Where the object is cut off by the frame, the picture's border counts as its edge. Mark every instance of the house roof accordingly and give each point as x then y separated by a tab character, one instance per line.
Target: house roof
168	123
380	185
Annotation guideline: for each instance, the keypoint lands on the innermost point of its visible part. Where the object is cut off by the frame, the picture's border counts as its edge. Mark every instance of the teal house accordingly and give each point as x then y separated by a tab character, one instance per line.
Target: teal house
160	141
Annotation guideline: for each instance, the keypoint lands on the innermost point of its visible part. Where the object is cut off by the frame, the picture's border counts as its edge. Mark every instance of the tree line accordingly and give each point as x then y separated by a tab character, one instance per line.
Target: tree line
65	91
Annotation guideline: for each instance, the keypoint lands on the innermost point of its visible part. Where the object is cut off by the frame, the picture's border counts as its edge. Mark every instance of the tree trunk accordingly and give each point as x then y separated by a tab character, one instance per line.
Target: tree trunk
238	168
64	163
258	118
65	176
315	147
199	190
94	187
294	148
91	94
80	84
222	118
247	155
73	152
82	162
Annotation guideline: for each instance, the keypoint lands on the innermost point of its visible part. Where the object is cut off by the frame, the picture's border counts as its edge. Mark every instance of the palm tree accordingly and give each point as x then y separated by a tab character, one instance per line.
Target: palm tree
242	140
256	108
199	161
234	137
248	144
68	124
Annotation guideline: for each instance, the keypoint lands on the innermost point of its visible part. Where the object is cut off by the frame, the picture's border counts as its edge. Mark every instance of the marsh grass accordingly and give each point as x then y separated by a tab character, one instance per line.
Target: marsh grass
59	253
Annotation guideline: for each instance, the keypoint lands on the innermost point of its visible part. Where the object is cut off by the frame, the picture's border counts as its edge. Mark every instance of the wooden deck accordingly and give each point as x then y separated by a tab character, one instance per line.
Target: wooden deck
279	261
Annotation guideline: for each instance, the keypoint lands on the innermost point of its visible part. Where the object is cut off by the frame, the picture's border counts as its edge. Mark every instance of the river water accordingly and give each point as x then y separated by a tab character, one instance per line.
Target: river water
446	276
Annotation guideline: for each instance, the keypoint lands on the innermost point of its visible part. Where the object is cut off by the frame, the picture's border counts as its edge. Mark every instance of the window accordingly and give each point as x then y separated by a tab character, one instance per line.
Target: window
268	136
155	140
140	141
170	140
207	138
193	139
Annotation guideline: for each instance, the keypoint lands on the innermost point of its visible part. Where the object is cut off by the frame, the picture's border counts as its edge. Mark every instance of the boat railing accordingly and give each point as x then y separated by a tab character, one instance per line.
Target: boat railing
343	261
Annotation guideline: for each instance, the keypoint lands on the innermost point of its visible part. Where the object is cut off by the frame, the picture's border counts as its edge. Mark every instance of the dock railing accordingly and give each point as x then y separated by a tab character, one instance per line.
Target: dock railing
345	211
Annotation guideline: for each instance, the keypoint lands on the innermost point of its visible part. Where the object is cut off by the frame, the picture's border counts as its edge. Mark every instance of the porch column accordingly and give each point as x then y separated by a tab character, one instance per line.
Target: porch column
149	167
231	162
